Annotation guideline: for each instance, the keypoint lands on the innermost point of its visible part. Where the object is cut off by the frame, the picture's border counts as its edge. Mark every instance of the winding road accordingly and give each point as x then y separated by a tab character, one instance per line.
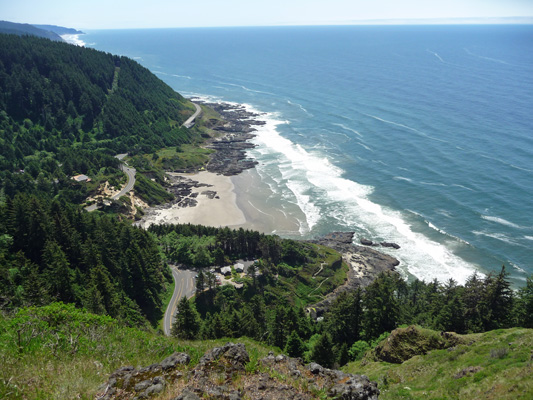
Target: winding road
184	286
190	122
130	173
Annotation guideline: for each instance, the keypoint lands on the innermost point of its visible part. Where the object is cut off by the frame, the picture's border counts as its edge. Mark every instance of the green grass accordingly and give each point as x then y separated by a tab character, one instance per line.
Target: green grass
498	374
186	156
60	352
301	282
149	191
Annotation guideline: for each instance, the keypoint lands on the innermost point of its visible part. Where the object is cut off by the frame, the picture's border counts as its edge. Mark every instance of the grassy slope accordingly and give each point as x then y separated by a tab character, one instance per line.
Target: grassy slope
505	359
66	353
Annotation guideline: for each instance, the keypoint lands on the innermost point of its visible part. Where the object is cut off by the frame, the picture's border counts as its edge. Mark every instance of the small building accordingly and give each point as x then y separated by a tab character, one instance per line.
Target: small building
81	178
239	267
225	271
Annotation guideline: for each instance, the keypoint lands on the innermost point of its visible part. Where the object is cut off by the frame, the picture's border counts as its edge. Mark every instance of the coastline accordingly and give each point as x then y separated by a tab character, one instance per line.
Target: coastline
230	192
211	202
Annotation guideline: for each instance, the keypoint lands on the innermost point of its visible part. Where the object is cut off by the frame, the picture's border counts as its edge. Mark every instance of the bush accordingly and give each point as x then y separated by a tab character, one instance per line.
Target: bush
358	350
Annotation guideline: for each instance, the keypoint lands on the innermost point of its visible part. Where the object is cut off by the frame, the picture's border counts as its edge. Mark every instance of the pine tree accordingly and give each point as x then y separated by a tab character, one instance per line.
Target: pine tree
295	346
524	305
499	299
322	351
187	321
381	305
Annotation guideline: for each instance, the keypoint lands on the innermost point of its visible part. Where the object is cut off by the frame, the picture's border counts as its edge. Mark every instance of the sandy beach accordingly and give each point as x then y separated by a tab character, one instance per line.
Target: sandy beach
220	210
232	201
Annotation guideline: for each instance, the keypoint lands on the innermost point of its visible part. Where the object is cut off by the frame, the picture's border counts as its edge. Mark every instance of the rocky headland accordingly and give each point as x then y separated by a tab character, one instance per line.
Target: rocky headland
365	265
227	373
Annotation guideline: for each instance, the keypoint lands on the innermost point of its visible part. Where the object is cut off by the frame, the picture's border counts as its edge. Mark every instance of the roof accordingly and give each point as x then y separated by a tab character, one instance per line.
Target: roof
225	270
81	178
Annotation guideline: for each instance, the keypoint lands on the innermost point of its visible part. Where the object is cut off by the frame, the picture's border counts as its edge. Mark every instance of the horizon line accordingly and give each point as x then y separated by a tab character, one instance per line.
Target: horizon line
512	20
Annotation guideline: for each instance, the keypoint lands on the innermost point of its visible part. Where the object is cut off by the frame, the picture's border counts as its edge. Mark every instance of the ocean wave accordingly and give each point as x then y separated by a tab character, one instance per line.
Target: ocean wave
463	187
433	184
73	39
443	232
181	76
502	221
488	58
402	178
436	55
248	89
364	146
528	237
300	107
346	128
498	236
405	127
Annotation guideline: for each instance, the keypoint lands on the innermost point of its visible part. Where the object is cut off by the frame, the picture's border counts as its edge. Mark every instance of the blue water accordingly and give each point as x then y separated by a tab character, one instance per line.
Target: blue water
421	135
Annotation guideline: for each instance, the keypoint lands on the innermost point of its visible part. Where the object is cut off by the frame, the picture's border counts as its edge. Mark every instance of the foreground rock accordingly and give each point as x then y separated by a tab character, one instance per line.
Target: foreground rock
365	265
226	373
405	343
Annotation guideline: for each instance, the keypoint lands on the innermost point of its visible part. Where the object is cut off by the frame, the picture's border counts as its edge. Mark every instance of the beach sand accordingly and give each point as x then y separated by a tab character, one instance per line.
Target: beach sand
241	201
219	211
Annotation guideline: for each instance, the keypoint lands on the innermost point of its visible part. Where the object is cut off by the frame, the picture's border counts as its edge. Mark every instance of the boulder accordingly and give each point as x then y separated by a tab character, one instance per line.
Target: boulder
391	245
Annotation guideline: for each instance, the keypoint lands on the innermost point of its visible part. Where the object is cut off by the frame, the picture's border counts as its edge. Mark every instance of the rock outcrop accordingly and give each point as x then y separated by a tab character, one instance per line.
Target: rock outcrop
365	265
226	373
404	343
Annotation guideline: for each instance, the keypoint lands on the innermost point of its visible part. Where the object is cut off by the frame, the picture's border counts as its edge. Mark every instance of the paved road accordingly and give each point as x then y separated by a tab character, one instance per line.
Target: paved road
190	121
184	286
130	173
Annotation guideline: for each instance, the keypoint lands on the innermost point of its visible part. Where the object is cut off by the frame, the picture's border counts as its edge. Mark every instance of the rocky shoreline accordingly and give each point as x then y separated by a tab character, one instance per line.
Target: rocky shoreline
228	159
237	125
365	265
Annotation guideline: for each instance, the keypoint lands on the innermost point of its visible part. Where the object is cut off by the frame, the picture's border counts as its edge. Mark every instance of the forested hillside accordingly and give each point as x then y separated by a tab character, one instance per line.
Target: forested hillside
67	110
58	98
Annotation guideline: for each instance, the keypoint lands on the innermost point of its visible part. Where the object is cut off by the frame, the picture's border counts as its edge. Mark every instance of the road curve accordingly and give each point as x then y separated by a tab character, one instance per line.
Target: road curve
130	173
190	122
184	286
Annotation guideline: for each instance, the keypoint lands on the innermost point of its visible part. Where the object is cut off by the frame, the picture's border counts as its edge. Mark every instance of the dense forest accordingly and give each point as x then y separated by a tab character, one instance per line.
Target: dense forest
67	110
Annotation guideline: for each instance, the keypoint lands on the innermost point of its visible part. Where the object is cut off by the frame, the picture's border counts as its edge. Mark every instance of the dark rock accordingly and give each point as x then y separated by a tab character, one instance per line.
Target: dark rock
392	245
142	385
154	389
232	357
315	368
187	395
174	360
366	242
227	363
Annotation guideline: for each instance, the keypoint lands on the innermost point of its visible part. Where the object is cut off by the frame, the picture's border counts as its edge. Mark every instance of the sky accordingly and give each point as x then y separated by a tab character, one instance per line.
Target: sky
120	14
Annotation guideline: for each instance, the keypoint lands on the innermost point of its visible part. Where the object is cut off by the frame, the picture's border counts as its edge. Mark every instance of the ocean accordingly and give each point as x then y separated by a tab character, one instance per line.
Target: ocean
418	135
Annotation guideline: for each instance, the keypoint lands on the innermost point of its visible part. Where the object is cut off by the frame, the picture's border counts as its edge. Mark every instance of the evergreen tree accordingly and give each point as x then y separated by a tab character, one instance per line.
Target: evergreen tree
381	305
524	305
187	321
200	283
322	351
499	299
295	346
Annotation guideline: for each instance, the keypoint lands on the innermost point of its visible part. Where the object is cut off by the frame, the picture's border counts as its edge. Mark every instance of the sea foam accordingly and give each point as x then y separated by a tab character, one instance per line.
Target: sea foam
322	192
